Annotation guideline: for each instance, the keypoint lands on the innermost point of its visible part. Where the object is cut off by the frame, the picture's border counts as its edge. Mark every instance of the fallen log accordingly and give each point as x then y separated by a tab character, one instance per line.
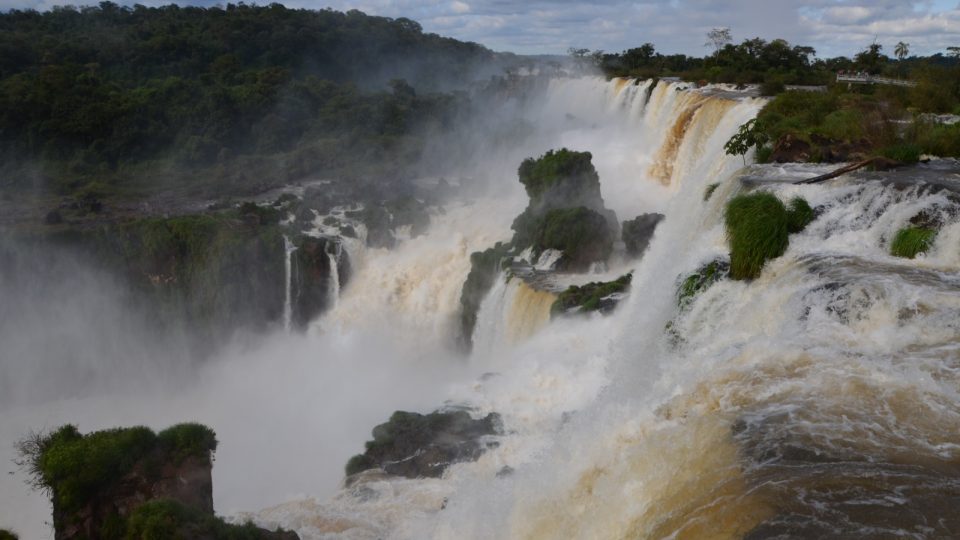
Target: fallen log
882	162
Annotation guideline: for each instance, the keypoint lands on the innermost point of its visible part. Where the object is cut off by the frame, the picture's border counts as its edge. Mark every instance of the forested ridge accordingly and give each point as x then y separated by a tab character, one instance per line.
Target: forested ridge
124	100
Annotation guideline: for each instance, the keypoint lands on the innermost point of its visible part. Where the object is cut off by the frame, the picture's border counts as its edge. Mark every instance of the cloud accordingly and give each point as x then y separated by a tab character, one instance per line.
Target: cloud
833	27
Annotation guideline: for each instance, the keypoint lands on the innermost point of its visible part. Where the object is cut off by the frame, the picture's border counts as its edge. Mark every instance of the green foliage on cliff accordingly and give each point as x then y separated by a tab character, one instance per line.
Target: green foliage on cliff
757	227
841	125
572	170
164	519
582	234
142	98
700	280
911	241
799	214
7	535
485	266
588	297
75	468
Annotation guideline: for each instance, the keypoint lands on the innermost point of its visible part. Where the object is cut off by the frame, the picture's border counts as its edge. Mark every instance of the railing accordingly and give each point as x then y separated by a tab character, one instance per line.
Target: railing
863	78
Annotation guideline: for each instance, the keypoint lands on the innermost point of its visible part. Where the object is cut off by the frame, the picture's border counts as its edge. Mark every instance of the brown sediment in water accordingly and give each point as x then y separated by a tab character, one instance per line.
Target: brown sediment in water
662	167
529	311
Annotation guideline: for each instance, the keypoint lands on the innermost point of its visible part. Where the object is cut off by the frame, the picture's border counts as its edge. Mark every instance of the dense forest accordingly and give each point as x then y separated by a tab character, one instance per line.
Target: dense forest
111	100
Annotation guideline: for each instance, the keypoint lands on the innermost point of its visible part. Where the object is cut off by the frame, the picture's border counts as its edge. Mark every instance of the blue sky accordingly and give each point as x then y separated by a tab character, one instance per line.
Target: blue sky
833	27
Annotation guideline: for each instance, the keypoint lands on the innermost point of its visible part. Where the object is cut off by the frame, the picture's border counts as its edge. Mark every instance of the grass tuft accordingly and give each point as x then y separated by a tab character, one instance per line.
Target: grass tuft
757	226
799	215
911	241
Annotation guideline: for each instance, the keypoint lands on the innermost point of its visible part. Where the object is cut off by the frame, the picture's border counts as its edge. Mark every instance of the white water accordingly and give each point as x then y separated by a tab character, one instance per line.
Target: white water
334	260
288	250
615	428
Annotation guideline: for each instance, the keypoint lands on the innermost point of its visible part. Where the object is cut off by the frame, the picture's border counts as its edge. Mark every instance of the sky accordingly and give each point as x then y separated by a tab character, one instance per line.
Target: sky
833	27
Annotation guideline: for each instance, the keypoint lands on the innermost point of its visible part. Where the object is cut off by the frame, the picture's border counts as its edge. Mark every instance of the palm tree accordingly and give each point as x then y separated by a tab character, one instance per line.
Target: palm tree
901	50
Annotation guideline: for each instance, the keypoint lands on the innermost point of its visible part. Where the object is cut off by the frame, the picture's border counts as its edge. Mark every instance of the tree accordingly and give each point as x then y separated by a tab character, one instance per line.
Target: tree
954	52
870	59
717	38
750	135
901	50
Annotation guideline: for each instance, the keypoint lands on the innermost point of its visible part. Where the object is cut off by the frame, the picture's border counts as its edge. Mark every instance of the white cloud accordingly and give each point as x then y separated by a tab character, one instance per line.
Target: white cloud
460	7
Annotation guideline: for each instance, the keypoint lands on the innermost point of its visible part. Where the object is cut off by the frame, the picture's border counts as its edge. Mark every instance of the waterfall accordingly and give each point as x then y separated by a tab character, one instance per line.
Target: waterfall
288	249
333	250
818	400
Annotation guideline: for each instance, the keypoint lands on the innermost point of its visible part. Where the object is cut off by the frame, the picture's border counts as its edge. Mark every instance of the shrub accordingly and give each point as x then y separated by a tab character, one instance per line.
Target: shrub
188	440
904	153
757	229
910	241
799	215
163	519
700	280
74	468
588	297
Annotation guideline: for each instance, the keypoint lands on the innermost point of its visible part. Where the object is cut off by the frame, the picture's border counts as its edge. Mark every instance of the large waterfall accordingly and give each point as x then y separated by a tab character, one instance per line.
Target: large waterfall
819	400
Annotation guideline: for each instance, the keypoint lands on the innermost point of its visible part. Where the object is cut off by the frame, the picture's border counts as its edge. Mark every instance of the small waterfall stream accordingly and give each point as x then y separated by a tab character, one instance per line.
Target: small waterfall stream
288	249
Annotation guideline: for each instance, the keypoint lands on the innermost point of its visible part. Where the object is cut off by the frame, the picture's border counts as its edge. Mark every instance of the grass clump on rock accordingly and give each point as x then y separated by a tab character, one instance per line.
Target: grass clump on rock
758	229
911	241
587	298
701	280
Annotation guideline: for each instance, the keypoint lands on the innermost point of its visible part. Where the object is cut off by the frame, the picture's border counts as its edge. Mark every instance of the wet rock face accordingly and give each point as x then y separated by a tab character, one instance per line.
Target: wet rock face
637	232
416	445
313	276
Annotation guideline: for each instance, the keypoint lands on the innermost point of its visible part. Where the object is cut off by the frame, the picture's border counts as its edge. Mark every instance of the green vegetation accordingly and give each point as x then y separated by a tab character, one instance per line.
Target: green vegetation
163	519
485	266
582	234
700	280
841	125
75	468
207	99
7	535
799	215
707	193
571	172
911	241
587	298
757	226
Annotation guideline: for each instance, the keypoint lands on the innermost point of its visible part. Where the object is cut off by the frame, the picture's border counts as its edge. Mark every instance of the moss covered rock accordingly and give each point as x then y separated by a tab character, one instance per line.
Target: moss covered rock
637	232
167	518
594	296
424	445
700	280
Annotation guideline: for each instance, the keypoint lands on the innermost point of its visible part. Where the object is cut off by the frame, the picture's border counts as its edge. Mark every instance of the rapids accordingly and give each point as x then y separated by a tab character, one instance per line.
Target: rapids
819	400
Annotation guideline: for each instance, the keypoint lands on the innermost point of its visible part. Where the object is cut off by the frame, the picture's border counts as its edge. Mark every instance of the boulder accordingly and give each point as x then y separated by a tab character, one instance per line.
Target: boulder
789	148
416	445
636	233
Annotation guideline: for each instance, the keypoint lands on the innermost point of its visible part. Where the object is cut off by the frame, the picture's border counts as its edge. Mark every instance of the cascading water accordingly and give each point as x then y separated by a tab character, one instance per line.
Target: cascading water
288	249
334	250
819	400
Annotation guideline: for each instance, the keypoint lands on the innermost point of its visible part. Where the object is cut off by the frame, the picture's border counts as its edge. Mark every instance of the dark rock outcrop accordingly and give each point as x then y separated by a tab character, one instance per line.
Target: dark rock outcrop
313	276
417	445
637	232
484	268
789	148
594	296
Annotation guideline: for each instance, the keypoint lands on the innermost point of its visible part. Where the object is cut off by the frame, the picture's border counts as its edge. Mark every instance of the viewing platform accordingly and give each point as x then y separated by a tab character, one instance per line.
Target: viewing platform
865	78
